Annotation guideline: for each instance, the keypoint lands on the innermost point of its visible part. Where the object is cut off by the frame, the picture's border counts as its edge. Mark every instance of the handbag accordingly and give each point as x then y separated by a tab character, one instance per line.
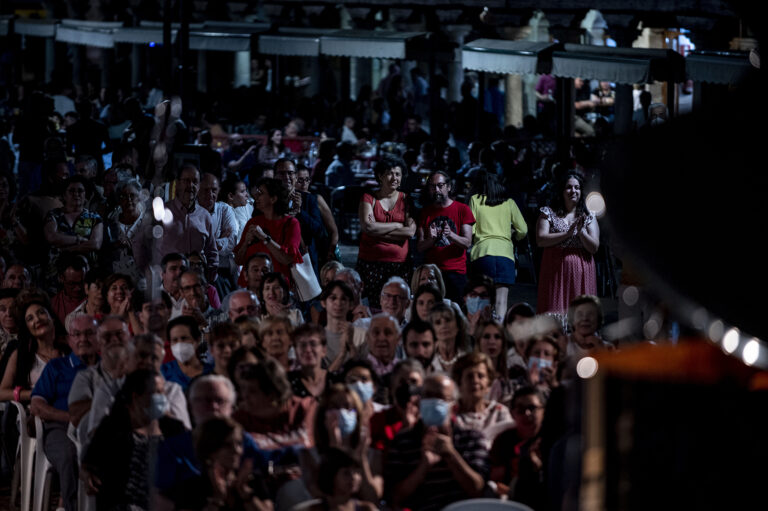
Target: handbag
305	281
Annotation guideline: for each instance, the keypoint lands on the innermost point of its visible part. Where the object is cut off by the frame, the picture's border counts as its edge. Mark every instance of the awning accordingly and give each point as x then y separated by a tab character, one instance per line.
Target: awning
141	35
619	65
223	36
372	44
510	57
293	42
88	33
717	67
37	28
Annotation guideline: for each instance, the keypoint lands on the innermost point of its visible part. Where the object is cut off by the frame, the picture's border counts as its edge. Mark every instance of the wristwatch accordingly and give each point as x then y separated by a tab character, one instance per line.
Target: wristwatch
267	239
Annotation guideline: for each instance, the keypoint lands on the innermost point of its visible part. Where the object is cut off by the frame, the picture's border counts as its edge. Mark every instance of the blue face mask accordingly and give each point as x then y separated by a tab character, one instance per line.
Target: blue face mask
158	406
364	390
434	411
347	421
475	304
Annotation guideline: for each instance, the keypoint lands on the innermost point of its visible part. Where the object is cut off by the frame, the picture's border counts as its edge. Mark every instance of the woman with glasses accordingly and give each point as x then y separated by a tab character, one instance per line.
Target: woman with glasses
73	228
387	225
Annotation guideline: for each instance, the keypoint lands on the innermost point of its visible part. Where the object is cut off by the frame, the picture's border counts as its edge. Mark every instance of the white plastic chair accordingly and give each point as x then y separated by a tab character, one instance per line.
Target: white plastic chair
487	505
26	455
43	471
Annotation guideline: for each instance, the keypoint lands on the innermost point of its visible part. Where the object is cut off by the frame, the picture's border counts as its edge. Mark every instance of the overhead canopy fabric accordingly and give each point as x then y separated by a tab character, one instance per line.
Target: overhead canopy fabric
620	65
141	35
510	57
372	44
37	28
223	36
87	33
717	67
293	42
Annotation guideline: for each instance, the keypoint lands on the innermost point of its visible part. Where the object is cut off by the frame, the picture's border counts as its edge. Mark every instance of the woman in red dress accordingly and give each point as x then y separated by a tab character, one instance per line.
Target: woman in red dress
570	236
270	230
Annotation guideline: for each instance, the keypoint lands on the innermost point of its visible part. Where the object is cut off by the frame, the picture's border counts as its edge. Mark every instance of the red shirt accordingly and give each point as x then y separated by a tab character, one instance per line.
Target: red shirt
446	255
285	231
373	248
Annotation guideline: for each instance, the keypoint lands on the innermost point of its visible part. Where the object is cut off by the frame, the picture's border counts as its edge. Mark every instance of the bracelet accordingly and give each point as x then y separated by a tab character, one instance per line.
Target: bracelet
17	394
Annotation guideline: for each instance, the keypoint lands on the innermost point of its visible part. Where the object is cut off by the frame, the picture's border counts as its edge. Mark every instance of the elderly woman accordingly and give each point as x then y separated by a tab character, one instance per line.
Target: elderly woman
473	374
382	339
311	346
387	226
275	299
270	230
275	333
73	228
451	329
122	228
585	317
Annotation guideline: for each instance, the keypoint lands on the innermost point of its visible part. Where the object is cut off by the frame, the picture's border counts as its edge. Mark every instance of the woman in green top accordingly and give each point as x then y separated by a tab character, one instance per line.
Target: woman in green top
492	251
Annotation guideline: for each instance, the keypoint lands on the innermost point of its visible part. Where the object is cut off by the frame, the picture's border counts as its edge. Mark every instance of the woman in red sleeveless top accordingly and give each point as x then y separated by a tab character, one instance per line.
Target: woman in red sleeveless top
386	226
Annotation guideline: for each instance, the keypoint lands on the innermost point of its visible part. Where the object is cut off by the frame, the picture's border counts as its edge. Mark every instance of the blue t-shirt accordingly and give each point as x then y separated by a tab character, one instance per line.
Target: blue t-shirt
56	380
172	372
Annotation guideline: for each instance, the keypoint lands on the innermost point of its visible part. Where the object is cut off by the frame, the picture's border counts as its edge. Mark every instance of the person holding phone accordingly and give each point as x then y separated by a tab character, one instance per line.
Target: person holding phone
542	355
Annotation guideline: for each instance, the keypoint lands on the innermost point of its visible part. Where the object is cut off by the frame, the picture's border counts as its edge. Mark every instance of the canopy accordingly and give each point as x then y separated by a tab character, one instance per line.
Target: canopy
298	42
510	57
37	28
717	67
87	33
222	36
141	35
620	65
372	44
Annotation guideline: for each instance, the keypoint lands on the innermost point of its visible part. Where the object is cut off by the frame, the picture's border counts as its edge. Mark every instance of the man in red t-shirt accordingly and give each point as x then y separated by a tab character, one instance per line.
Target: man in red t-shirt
445	234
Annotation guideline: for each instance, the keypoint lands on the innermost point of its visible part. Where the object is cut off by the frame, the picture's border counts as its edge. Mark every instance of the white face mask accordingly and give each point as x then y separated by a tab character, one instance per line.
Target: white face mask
183	351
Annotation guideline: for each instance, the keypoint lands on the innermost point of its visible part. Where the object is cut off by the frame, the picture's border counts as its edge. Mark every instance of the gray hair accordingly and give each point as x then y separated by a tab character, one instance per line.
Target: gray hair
212	379
355	278
439	377
228	299
390	317
399	282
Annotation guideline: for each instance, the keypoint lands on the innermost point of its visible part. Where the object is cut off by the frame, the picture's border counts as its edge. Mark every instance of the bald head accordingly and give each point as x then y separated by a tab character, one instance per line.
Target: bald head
209	191
439	386
242	303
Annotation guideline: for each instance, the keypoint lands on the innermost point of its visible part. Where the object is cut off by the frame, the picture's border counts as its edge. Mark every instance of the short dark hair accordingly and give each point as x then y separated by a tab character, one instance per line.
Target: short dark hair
271	378
77	178
108	283
481	280
278	277
187	321
360	362
334	460
69	260
212	435
275	189
338	284
140	297
172	256
9	293
418	326
259	255
386	163
223	330
309	329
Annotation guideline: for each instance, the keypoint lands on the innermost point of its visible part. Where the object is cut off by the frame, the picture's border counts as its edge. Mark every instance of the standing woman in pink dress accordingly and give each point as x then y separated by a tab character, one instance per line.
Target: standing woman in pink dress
570	236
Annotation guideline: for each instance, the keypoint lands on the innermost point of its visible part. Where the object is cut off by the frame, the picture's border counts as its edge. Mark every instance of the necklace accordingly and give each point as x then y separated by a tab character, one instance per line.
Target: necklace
450	362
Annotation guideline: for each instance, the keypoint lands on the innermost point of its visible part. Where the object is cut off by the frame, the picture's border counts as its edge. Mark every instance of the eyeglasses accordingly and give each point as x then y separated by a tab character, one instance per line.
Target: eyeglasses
437	186
394	298
302	180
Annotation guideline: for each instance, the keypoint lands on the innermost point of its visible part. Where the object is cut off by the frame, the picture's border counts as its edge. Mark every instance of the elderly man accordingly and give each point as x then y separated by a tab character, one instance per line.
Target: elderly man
190	230
382	341
50	403
17	277
194	302
242	303
435	462
395	298
225	230
114	343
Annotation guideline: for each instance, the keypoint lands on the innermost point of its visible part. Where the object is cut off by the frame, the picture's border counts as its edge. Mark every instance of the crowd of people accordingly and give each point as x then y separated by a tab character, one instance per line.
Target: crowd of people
151	317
